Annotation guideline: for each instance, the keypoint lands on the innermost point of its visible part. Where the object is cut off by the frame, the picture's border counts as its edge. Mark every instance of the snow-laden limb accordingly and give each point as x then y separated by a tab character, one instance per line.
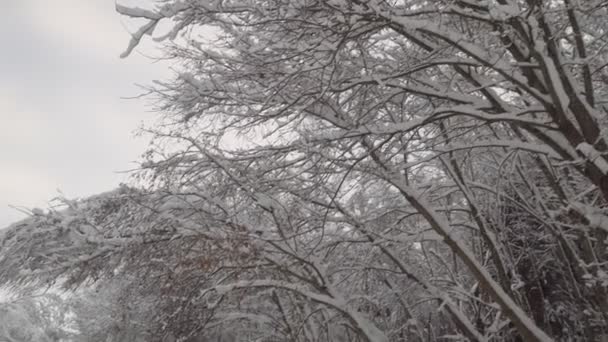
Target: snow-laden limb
153	18
596	218
137	12
462	43
509	307
89	238
368	328
442	227
147	29
462	321
593	156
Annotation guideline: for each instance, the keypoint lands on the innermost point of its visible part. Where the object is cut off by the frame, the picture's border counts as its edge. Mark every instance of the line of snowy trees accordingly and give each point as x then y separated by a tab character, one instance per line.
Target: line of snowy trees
357	170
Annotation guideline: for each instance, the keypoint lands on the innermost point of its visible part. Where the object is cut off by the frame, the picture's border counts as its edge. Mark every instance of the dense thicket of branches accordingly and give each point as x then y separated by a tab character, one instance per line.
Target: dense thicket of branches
381	170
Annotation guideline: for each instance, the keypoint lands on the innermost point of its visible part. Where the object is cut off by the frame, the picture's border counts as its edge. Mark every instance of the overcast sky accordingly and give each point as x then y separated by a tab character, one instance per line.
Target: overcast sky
63	123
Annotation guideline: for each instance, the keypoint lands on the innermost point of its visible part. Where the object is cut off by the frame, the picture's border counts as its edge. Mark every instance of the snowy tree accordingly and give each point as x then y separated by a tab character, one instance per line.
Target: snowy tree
439	101
380	170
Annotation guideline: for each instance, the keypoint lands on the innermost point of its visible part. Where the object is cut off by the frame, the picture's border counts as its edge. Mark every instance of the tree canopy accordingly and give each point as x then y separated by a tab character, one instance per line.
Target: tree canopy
380	170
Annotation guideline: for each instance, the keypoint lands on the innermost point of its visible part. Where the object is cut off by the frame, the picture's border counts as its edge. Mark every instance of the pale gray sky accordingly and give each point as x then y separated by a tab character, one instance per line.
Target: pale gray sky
63	124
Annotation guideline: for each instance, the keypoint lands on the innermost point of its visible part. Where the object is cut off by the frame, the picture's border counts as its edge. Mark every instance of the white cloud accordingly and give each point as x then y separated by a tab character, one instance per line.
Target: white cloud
18	123
92	25
27	186
62	121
